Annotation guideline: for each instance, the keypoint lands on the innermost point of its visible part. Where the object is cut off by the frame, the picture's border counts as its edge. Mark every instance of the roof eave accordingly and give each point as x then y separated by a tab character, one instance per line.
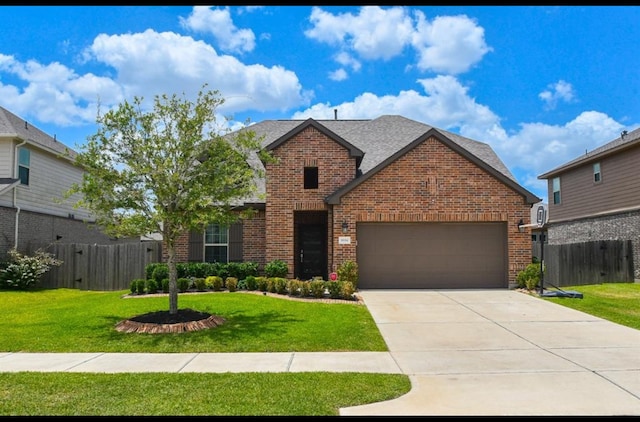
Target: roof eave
589	159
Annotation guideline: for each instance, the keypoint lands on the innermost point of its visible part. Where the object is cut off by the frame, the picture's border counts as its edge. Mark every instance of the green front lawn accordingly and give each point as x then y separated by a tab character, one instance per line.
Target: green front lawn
69	320
616	302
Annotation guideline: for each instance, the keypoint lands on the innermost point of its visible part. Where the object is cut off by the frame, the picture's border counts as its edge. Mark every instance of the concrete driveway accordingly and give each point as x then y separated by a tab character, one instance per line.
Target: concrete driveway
503	352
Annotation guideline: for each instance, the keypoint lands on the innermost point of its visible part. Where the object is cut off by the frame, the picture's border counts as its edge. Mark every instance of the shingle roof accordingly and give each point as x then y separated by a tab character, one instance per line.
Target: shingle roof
628	140
14	126
385	136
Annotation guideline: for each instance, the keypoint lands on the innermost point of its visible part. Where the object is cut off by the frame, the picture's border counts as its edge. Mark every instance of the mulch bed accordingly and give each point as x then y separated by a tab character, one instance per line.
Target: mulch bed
163	322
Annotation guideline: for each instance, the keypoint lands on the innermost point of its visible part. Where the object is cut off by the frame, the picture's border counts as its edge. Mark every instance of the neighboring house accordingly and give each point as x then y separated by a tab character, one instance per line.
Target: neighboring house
35	171
597	196
413	205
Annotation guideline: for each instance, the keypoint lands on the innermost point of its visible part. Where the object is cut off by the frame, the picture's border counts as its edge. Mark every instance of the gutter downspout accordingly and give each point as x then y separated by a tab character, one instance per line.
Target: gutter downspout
15	197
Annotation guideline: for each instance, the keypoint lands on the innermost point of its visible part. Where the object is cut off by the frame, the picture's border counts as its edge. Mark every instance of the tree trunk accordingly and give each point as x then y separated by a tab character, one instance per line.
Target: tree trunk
173	279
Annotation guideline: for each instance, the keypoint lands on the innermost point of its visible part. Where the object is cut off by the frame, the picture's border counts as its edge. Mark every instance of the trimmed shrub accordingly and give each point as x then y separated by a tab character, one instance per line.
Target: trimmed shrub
232	283
250	282
160	272
200	284
276	268
348	271
293	287
214	282
183	284
140	286
334	288
305	288
151	285
348	289
317	288
134	285
280	285
262	283
529	277
165	285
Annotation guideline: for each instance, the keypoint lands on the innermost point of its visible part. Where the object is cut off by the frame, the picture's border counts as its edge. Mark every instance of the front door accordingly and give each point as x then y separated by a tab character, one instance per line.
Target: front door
312	252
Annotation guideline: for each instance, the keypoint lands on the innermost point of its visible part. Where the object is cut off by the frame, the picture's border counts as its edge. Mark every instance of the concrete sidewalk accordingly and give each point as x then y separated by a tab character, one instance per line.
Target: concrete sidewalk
467	352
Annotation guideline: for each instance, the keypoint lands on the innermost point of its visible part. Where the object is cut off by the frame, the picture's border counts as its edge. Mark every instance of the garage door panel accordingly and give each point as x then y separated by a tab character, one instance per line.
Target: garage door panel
431	255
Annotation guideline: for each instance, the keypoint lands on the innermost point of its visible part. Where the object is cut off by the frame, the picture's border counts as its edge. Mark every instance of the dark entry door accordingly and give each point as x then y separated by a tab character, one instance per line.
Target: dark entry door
312	253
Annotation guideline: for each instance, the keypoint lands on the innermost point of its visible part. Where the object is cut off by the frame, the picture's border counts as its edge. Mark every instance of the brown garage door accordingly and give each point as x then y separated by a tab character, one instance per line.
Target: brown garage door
432	255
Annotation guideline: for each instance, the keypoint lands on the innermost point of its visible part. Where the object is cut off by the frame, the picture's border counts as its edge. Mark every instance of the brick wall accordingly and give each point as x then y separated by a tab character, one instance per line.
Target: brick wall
37	229
285	187
254	240
432	183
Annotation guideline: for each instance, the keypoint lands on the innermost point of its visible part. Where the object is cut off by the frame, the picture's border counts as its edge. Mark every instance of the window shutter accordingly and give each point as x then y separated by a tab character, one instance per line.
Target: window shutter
196	246
235	242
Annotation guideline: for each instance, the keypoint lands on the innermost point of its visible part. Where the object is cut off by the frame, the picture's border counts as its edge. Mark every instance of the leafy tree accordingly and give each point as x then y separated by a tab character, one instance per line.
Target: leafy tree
167	170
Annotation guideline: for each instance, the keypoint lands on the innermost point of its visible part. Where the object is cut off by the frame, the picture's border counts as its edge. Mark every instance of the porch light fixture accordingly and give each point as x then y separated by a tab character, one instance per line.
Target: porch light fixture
345	227
521	225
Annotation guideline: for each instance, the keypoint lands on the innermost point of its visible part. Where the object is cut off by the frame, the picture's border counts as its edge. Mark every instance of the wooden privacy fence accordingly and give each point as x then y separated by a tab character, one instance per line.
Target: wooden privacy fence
605	261
99	267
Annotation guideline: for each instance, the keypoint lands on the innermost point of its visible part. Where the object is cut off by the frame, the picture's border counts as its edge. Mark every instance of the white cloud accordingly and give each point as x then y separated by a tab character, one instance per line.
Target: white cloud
346	59
375	33
448	44
145	64
559	91
338	75
218	23
54	93
149	62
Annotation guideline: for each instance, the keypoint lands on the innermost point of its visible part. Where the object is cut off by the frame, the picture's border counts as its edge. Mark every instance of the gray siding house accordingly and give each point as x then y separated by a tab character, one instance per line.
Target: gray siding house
35	171
597	196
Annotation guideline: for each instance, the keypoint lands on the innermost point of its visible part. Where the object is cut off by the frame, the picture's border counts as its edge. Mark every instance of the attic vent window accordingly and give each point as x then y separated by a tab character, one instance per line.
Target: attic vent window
311	177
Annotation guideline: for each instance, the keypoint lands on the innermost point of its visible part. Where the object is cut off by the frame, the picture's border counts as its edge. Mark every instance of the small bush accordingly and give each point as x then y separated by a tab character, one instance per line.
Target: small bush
293	287
214	282
165	285
348	289
200	284
280	285
160	272
529	277
151	285
276	268
232	283
317	288
250	282
140	286
271	284
335	289
305	288
183	284
262	283
23	271
348	271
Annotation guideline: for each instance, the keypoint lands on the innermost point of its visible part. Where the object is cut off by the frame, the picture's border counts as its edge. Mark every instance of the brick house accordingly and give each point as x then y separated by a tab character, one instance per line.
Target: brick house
413	205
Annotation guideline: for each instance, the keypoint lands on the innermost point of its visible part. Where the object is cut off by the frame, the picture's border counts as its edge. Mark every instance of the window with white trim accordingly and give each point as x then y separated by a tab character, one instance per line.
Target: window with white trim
556	190
216	243
597	176
24	164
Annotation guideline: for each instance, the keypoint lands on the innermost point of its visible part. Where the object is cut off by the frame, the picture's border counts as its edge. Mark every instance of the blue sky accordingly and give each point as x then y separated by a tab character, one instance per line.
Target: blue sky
540	84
